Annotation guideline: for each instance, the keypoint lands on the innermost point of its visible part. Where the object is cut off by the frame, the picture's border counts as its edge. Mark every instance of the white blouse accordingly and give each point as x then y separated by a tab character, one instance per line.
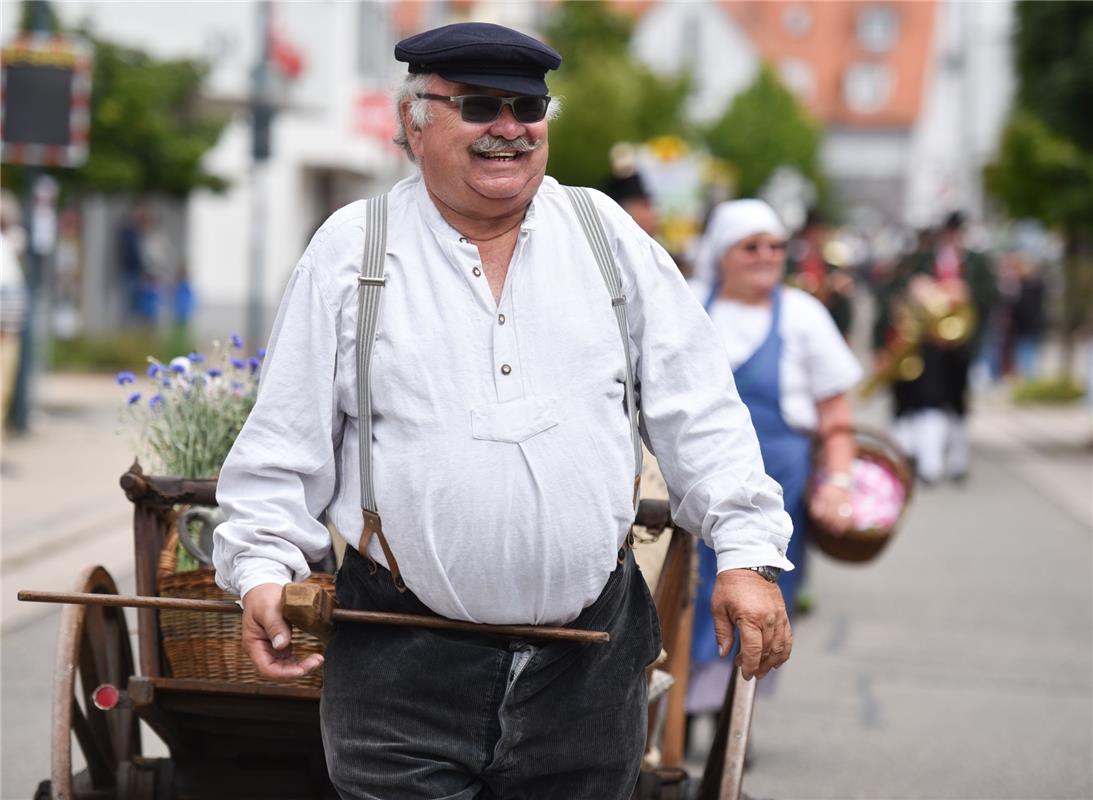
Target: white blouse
816	362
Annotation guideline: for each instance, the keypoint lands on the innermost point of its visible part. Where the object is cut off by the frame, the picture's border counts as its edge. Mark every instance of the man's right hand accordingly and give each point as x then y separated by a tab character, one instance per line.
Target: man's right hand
267	638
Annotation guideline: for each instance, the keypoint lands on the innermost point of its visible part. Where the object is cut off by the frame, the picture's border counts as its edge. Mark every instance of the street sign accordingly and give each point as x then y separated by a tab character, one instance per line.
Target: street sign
45	87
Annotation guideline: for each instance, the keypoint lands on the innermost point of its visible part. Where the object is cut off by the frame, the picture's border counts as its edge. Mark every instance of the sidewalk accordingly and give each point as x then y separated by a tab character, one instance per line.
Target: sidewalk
62	506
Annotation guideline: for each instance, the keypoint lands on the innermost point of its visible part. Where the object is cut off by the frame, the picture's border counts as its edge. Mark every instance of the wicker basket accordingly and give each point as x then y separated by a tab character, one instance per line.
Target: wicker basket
208	646
865	544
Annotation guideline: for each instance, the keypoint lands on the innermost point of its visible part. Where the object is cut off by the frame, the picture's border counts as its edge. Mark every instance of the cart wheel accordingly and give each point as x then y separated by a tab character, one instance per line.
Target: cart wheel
92	651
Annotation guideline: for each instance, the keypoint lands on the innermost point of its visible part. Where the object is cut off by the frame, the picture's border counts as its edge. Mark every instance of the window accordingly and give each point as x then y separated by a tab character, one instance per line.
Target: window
878	28
867	87
797	20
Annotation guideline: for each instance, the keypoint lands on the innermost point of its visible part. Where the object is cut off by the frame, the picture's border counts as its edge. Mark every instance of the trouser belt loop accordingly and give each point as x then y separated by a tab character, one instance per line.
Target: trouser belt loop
373	526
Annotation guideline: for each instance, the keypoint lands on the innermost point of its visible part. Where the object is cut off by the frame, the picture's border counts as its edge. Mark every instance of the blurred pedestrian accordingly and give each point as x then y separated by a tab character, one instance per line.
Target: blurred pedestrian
810	271
793	370
1028	319
934	310
628	190
13	290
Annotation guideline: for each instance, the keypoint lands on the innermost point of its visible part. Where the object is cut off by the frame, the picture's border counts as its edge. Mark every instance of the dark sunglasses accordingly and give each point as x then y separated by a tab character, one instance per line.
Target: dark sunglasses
479	108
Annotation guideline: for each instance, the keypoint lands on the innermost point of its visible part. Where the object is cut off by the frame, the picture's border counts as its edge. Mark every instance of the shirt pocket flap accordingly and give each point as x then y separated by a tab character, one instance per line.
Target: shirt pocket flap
514	421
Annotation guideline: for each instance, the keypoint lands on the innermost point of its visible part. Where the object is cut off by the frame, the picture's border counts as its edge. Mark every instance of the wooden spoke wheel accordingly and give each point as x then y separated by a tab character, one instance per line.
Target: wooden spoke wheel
92	650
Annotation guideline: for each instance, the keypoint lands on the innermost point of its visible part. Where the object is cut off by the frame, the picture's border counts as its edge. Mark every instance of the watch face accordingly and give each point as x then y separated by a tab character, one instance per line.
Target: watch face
770	573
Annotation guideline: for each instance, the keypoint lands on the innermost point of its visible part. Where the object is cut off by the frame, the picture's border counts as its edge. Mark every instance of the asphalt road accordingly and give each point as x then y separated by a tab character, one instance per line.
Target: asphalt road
958	665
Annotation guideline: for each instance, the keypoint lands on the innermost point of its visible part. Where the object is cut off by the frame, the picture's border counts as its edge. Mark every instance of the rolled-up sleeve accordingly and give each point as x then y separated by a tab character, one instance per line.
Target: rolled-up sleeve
280	474
692	417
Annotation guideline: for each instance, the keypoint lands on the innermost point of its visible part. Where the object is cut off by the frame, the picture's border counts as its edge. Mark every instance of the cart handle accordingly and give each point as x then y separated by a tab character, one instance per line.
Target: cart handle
299	610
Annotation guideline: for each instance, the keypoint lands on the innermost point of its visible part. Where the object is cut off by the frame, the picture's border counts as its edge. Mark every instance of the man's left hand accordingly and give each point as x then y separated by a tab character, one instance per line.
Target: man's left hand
744	599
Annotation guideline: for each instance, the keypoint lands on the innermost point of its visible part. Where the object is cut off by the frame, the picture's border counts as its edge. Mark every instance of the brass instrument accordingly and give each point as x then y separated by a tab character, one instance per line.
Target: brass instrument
932	312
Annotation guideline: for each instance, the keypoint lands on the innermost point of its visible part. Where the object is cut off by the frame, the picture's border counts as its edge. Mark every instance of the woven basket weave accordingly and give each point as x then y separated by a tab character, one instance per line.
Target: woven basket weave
208	646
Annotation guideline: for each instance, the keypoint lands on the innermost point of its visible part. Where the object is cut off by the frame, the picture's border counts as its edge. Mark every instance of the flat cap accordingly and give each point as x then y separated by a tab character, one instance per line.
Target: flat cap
481	54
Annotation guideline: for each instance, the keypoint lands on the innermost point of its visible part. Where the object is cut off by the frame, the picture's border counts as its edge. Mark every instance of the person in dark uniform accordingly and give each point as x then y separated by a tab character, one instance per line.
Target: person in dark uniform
807	269
931	410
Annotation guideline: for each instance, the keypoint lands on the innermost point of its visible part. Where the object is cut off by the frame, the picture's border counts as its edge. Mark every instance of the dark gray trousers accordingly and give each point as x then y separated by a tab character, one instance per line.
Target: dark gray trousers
415	714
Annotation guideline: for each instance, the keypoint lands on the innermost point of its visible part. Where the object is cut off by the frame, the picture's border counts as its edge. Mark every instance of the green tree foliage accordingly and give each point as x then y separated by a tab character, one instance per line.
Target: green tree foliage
764	128
1054	54
607	97
1044	166
148	130
1041	175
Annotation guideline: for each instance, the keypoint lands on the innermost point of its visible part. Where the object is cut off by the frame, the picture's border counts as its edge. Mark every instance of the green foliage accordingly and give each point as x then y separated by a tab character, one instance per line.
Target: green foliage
148	130
1044	167
584	31
1054	55
1058	391
607	97
1040	174
115	352
764	128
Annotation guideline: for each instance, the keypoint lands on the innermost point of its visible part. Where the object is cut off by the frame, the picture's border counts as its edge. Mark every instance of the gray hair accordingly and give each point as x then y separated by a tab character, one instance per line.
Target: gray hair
420	114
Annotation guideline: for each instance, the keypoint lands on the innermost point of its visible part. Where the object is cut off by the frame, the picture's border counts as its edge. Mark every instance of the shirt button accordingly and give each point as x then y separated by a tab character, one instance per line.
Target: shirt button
477	272
500	319
505	369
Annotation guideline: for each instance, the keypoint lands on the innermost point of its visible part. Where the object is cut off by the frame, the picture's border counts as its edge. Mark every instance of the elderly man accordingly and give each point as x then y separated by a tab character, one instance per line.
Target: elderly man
498	448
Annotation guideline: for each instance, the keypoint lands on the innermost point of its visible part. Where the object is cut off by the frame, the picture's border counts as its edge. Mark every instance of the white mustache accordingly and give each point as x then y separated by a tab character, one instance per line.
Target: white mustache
493	144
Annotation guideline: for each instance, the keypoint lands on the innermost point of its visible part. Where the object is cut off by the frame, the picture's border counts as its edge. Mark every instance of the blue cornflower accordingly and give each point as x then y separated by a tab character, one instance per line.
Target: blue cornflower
254	363
134	398
166	383
238	363
155	401
237	341
261	352
153	370
126	377
215	373
196	357
178	369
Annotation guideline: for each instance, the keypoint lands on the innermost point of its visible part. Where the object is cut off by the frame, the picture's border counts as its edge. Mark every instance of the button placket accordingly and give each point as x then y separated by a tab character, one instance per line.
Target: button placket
507	377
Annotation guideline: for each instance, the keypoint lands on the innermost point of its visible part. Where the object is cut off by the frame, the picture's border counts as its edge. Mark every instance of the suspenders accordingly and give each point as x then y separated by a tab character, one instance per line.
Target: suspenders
369	294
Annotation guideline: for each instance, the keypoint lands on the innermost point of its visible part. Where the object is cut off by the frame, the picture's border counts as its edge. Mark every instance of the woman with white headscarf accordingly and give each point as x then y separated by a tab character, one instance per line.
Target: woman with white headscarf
793	370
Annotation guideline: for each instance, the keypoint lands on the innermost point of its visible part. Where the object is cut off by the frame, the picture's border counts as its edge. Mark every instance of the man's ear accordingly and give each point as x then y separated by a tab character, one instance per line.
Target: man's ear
413	133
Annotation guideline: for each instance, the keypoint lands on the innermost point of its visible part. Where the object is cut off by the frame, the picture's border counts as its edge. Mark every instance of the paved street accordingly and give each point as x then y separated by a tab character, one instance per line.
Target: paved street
958	665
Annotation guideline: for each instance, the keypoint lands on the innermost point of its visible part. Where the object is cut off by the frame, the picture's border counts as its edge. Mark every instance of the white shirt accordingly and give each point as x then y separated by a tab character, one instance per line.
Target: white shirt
816	362
504	497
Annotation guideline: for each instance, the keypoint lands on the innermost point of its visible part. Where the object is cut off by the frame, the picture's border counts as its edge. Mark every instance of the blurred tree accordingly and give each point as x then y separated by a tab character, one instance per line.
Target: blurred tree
607	96
764	128
148	130
1044	166
1054	54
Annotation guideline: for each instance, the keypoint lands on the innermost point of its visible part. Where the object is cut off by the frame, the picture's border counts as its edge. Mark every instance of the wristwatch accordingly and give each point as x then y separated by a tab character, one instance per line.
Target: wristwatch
769	573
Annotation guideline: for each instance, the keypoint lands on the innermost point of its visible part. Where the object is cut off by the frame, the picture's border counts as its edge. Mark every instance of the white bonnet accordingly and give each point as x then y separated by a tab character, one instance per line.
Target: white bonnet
730	222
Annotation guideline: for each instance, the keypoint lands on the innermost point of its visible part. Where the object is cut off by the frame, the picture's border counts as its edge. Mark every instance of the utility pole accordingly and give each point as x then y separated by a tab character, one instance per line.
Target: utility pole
261	105
35	264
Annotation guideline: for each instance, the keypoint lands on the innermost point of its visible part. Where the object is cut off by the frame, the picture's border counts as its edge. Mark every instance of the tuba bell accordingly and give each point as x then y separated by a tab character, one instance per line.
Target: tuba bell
932	311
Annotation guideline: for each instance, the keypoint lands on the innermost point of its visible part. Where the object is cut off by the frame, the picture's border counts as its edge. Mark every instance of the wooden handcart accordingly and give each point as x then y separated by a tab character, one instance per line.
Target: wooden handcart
251	739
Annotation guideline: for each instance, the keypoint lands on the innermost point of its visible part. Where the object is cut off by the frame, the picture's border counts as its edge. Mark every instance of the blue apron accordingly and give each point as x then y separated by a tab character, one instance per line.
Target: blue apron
787	455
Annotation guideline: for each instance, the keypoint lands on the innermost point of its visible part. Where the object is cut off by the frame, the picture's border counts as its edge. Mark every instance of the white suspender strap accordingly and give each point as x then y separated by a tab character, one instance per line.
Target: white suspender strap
369	293
592	225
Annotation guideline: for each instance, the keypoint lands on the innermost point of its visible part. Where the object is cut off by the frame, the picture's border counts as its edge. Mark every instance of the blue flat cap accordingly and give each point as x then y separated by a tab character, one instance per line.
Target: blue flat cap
481	54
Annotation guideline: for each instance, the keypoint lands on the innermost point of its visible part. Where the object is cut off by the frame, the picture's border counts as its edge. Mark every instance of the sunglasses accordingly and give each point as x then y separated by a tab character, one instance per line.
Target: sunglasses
753	247
479	108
